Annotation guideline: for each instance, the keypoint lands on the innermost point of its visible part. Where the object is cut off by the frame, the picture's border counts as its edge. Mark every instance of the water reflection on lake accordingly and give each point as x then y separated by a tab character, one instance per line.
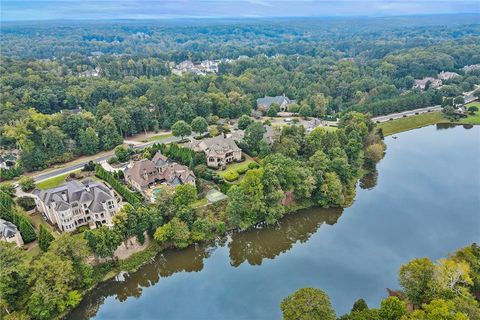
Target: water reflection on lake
426	203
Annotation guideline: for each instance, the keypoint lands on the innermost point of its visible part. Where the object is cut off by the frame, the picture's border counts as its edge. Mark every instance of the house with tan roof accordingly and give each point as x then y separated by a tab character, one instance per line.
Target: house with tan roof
77	203
219	150
145	174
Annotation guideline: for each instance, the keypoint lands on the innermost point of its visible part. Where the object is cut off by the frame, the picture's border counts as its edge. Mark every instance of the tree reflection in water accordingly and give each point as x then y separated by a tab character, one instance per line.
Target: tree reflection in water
252	246
270	241
369	180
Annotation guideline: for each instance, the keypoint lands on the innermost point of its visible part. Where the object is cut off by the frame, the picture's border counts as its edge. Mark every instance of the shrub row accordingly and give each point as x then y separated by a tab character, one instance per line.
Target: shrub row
128	195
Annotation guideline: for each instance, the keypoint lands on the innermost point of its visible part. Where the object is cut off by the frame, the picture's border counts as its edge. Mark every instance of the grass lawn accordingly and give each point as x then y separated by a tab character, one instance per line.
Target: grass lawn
472	119
236	166
412	122
53	182
159	137
200	203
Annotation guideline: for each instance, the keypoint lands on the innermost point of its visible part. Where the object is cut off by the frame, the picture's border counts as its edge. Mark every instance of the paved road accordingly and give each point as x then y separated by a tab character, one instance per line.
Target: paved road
70	168
405	114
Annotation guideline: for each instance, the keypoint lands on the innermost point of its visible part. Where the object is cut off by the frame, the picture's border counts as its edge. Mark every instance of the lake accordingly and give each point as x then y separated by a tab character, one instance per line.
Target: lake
426	203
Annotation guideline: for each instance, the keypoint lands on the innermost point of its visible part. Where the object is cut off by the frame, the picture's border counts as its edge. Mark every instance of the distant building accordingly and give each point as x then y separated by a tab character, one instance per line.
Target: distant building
10	233
8	161
145	173
422	83
77	203
204	67
219	150
72	111
90	73
445	75
263	104
470	68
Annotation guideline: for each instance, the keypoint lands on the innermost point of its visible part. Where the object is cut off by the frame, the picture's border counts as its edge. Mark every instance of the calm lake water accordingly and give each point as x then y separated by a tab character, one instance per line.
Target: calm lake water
426	203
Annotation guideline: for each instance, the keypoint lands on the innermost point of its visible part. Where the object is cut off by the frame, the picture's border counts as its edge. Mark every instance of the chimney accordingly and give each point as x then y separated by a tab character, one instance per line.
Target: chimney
87	187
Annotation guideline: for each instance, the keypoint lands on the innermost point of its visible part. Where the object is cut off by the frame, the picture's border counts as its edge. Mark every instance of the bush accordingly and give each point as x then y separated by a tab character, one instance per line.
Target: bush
131	197
241	171
89	166
8	174
82	229
27	203
26	183
113	160
253	165
231	176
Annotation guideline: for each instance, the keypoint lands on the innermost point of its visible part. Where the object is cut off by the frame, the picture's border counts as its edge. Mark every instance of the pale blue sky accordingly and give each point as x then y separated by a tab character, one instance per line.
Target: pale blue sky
167	9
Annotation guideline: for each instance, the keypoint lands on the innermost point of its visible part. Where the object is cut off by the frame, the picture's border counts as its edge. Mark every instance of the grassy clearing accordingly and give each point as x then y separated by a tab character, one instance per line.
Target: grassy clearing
158	137
472	119
200	203
412	122
53	182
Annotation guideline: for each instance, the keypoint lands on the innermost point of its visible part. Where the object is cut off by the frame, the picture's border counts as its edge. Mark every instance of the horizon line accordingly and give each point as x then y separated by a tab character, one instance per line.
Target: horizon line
246	17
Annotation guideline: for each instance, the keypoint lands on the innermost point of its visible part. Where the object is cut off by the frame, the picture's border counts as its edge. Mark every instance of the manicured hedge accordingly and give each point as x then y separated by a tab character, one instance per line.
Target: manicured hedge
128	195
7	212
231	176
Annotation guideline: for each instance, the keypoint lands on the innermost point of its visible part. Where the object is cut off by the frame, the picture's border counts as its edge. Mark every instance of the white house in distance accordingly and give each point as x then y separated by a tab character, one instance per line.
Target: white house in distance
219	150
77	203
446	75
10	233
263	104
422	83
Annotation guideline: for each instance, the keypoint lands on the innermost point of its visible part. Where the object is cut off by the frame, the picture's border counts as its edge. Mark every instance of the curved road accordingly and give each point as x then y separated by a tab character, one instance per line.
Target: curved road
70	168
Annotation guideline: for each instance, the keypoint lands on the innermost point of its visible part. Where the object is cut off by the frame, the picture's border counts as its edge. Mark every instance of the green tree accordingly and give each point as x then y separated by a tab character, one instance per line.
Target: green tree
273	110
244	121
305	111
108	133
51	281
246	206
307	304
88	141
437	310
253	136
176	231
417	280
359	305
331	191
103	241
44	238
392	308
13	274
75	250
181	129
185	195
122	153
26	183
472	109
374	153
199	125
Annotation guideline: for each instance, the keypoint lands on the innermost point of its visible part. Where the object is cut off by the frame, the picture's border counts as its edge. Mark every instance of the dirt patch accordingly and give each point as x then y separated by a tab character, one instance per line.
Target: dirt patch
133	246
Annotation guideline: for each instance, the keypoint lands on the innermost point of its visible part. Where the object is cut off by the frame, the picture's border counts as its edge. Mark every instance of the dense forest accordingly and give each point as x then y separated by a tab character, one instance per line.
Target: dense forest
327	65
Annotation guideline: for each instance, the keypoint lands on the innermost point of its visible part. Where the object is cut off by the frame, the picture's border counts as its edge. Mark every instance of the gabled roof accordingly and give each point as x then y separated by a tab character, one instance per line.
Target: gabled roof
7	229
92	193
216	146
267	101
138	170
159	159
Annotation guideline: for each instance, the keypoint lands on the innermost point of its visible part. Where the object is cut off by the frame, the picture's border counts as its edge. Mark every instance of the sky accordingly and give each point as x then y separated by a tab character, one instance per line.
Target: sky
12	10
